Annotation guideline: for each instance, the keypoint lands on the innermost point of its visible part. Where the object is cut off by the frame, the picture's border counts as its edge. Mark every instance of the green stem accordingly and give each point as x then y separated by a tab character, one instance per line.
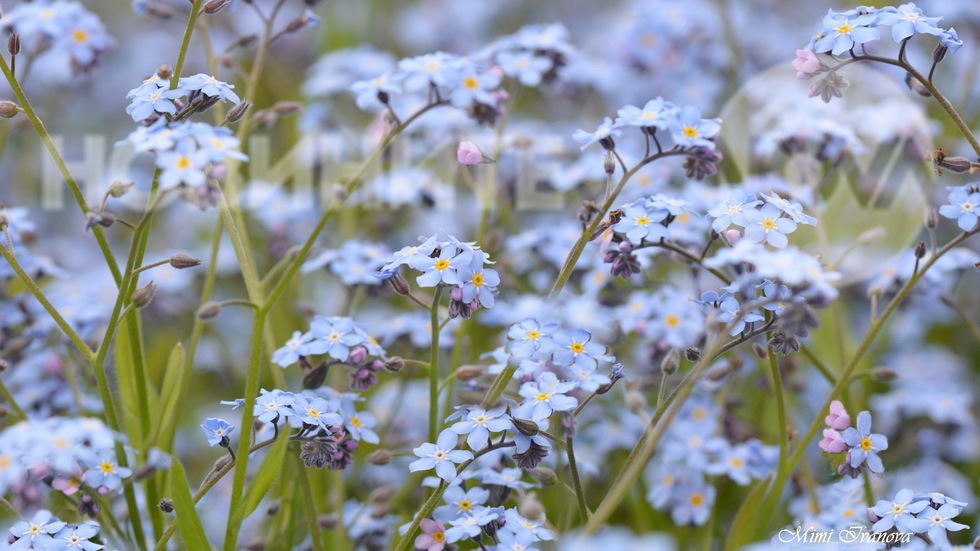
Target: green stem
434	367
777	384
10	401
573	467
311	514
185	44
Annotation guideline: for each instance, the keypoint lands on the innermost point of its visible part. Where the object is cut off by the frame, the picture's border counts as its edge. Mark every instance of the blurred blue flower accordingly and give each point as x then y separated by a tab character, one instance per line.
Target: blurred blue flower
965	203
907	20
443	456
898	514
216	429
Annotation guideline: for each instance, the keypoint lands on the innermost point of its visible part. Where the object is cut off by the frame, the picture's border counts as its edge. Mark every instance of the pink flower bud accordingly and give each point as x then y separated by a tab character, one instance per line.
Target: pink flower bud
730	237
838	417
469	154
832	442
358	355
806	63
497	71
872	516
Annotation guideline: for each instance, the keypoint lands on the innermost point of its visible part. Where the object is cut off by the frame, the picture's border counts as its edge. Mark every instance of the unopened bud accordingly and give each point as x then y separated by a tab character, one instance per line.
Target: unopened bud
671	362
297	24
394	364
379	457
119	188
4	221
530	507
761	351
527	428
8	109
182	261
166	505
469	372
920	249
916	86
399	284
209	310
245	40
273	508
214	6
884	374
718	373
236	113
939	54
730	237
283	108
383	494
104	219
13	44
143	296
692	354
4	411
956	165
327	522
930	219
609	163
3	365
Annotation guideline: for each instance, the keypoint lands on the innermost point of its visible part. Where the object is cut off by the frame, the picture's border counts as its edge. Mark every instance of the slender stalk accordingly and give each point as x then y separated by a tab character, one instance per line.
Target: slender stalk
434	367
777	385
10	401
185	44
311	514
576	480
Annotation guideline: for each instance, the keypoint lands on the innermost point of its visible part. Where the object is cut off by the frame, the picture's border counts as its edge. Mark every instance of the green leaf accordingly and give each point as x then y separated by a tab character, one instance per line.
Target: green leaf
741	533
169	397
263	479
125	372
189	522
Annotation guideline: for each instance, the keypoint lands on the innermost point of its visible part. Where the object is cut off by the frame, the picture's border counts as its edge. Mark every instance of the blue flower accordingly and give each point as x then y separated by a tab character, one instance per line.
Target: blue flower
469	526
152	97
515	541
690	130
767	225
950	40
461	502
574	348
423	71
509	478
443	456
443	269
693	503
907	20
478	282
898	513
216	430
479	424
655	113
367	91
638	223
733	210
526	67
587	378
359	423
543	397
730	310
965	203
209	86
865	445
36	532
472	83
184	165
273	406
73	538
519	524
793	210
940	520
293	349
604	133
316	412
104	471
334	336
526	337
842	33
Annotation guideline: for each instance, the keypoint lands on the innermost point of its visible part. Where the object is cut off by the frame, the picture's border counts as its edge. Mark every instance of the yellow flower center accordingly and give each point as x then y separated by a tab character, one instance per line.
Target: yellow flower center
533	335
106	467
577	347
442	264
471	83
439	536
690	132
313	413
865	444
543	397
80	36
465	505
355	421
480	420
183	162
35	529
736	462
898	509
642	221
668	480
672	320
844	29
768	223
477	279
648	40
697	499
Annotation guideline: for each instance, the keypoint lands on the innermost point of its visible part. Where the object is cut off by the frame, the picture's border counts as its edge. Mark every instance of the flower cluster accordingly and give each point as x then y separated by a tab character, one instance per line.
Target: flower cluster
72	455
44	531
447	262
911	513
59	26
469	516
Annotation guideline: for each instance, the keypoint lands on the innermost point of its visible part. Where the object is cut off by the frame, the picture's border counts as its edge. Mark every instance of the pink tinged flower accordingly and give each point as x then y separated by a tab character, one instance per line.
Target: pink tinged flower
806	63
838	418
872	516
469	154
433	537
832	441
